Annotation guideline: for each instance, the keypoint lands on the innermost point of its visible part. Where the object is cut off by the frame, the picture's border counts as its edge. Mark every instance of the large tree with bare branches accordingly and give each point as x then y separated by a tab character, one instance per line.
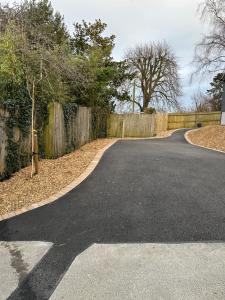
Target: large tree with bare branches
210	51
156	72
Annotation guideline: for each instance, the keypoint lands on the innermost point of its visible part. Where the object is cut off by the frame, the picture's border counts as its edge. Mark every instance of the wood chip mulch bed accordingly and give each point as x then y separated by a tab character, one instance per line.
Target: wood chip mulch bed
209	136
21	191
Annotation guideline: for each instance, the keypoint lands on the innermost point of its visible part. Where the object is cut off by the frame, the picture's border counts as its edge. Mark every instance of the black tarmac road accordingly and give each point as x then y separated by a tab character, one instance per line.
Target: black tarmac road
142	191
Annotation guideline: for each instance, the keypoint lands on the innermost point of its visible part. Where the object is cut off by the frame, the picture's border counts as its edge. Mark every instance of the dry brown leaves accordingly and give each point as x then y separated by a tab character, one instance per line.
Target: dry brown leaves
21	190
209	136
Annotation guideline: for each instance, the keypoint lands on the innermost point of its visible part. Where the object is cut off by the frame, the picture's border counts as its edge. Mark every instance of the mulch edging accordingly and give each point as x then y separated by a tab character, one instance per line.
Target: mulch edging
190	142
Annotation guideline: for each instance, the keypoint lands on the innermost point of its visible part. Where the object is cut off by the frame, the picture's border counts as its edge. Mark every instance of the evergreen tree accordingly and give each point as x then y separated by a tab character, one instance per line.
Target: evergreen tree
216	91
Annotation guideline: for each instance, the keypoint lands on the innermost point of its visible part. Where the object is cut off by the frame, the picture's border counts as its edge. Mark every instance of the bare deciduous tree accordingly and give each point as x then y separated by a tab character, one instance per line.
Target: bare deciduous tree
200	102
210	51
156	73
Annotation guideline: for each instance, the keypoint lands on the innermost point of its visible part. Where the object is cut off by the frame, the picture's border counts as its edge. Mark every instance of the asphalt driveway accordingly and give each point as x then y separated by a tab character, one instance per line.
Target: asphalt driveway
143	191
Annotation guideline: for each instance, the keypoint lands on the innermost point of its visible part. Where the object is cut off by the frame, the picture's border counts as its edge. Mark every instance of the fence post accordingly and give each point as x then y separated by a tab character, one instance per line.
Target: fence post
223	107
123	129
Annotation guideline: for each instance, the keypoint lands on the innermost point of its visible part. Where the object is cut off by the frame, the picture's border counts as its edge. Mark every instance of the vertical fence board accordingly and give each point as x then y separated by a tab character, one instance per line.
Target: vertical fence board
161	122
83	126
54	133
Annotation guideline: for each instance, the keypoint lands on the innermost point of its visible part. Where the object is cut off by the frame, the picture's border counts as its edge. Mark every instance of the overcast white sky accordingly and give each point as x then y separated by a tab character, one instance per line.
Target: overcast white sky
140	21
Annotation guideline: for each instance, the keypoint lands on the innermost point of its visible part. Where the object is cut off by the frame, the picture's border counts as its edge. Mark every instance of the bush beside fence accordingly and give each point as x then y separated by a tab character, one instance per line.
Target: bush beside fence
3	139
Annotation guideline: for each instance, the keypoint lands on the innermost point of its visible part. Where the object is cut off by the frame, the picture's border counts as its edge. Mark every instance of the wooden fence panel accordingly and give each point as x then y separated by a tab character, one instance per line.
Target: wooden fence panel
131	125
191	120
141	125
115	125
61	138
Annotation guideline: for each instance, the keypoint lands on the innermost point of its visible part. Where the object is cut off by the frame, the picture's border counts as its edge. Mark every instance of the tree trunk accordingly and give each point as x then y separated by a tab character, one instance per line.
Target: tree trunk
34	142
35	154
145	103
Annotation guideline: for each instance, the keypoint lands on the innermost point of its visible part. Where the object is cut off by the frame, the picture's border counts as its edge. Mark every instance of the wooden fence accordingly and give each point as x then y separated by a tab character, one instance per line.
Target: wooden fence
131	125
61	135
61	138
191	120
146	125
64	134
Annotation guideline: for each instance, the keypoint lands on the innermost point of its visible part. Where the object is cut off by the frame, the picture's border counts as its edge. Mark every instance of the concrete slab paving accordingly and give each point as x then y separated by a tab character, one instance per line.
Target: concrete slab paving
146	271
17	260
